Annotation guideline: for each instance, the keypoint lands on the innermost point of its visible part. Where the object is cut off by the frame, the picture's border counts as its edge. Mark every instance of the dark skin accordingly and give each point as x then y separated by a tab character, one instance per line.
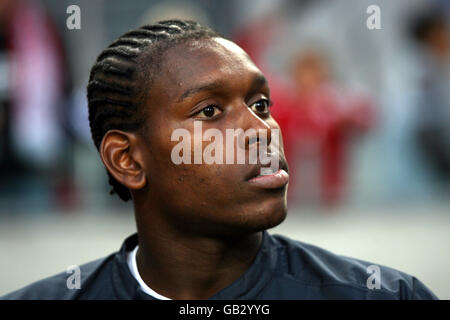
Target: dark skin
199	225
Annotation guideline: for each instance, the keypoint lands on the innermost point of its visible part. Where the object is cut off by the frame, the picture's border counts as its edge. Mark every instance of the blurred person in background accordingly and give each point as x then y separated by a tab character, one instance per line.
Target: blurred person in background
431	32
318	125
32	83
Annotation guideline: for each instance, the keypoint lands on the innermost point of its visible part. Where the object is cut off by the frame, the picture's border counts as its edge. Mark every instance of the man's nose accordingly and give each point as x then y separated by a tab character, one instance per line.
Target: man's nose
263	132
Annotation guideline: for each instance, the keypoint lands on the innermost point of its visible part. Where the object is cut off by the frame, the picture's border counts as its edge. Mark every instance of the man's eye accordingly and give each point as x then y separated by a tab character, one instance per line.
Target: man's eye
209	112
261	106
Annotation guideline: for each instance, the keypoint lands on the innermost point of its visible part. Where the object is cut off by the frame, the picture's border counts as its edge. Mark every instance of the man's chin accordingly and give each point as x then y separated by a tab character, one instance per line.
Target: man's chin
266	215
274	218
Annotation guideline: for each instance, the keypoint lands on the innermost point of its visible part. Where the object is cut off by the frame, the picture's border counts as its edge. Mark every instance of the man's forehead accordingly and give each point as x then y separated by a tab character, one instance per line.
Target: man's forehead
200	60
197	48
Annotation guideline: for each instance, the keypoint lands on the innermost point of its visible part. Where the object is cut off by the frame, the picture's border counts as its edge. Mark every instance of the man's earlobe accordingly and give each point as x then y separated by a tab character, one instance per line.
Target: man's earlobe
122	158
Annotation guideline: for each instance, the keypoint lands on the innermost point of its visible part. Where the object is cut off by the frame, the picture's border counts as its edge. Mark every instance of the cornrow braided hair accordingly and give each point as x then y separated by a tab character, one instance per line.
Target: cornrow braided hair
124	71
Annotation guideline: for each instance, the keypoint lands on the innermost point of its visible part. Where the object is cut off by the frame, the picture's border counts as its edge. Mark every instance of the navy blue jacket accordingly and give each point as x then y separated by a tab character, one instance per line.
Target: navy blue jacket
282	269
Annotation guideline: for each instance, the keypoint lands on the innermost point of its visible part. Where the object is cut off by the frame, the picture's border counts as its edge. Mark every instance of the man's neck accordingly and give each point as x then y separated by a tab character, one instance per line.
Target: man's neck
193	267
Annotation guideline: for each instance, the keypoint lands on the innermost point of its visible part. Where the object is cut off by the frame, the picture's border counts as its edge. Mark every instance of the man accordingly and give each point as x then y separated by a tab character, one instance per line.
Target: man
201	227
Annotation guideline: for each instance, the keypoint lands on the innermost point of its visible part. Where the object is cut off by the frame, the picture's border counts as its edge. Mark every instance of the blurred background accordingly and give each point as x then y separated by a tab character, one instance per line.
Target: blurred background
364	113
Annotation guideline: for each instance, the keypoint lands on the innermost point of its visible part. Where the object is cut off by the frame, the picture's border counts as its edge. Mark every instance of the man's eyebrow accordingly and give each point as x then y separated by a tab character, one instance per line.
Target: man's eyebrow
257	82
204	87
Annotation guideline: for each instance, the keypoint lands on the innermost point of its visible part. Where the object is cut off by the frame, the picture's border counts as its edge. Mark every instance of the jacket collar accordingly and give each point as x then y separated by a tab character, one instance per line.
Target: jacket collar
248	286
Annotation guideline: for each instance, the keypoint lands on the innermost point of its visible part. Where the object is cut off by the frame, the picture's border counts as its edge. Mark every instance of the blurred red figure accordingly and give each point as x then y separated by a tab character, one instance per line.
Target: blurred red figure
33	84
317	120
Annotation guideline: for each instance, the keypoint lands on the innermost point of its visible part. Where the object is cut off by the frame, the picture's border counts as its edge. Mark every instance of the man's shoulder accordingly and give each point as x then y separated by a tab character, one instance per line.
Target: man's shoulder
66	285
336	276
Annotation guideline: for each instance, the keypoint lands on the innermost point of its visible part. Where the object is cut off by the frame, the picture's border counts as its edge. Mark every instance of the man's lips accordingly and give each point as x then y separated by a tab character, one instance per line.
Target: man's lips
275	180
257	169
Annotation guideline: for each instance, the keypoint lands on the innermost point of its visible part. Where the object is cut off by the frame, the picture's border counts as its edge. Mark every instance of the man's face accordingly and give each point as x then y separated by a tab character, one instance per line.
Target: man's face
210	198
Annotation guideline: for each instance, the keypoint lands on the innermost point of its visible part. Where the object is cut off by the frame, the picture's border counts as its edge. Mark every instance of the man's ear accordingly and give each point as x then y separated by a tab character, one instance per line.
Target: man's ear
123	159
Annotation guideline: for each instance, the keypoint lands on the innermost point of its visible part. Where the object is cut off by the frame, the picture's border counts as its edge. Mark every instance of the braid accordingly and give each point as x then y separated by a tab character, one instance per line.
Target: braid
116	83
